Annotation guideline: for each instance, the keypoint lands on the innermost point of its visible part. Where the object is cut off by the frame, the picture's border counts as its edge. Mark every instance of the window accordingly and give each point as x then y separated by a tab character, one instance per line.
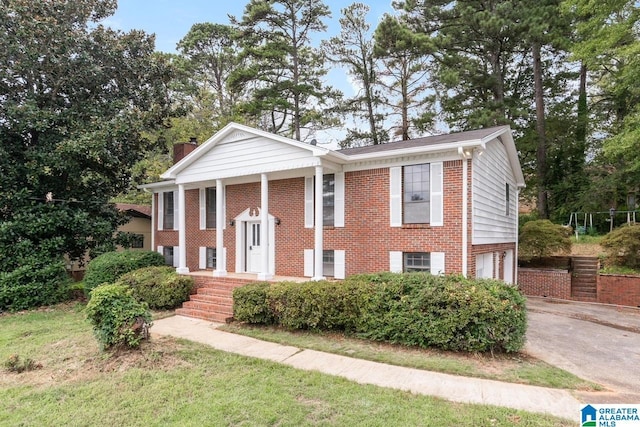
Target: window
416	194
210	203
328	199
328	263
506	198
167	252
137	241
167	203
211	258
417	261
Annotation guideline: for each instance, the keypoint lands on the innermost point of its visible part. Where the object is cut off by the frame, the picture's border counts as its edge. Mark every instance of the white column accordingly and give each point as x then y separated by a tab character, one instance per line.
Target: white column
182	232
465	216
154	220
264	274
317	253
221	254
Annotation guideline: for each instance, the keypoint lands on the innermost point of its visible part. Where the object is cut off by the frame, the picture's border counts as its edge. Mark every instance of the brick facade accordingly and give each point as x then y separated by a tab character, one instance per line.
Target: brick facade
367	236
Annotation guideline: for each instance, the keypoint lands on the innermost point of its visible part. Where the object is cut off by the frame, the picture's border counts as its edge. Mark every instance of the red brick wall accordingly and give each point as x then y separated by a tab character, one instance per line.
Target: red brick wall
545	283
619	290
367	236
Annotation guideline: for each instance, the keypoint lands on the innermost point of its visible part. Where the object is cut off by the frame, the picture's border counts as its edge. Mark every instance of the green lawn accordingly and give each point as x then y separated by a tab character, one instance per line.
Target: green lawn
174	382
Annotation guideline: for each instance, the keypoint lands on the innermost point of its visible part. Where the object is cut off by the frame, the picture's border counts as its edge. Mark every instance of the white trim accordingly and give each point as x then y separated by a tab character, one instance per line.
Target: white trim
508	266
308	263
153	216
395	196
437	263
179	210
339	264
252	215
436	217
203	208
202	264
308	202
396	262
496	268
176	257
338	215
265	270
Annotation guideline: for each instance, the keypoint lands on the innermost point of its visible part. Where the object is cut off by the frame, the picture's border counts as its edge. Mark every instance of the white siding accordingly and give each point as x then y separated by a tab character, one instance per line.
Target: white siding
491	172
246	157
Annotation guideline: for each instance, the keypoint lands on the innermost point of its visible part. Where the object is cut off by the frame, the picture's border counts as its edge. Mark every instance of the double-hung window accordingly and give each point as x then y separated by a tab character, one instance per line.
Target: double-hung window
167	252
328	199
210	203
168	209
328	263
211	258
416	194
417	261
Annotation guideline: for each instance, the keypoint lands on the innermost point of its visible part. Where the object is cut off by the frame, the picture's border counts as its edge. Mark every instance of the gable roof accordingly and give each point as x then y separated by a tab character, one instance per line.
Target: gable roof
429	141
308	155
138	211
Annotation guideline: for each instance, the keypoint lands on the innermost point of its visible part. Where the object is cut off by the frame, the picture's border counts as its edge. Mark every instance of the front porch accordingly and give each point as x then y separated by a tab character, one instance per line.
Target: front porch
213	300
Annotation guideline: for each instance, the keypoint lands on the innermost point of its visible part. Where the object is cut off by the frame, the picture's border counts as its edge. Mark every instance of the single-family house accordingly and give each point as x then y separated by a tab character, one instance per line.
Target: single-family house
248	201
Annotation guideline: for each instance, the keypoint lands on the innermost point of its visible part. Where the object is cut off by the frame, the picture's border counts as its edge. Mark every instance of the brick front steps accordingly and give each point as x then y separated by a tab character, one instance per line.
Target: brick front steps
213	300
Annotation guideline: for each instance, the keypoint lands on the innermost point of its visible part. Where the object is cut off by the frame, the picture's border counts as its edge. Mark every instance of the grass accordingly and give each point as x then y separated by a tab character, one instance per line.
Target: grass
516	368
176	382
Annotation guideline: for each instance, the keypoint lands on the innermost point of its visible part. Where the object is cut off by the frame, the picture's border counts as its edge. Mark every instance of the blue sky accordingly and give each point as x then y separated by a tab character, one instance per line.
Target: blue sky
170	20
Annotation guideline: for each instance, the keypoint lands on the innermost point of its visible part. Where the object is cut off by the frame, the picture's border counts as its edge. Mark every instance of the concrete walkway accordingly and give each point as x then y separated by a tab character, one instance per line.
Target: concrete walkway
450	387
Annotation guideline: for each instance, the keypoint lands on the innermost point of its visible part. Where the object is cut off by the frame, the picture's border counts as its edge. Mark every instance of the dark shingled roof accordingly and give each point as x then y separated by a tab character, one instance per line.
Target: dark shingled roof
422	142
141	211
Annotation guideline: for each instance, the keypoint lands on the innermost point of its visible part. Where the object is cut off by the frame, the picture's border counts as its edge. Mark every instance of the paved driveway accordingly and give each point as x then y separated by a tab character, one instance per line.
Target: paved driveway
596	342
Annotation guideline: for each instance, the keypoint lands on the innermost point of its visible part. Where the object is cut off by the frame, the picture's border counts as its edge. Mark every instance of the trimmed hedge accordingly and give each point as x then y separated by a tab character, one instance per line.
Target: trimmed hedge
108	267
32	286
447	312
159	287
118	320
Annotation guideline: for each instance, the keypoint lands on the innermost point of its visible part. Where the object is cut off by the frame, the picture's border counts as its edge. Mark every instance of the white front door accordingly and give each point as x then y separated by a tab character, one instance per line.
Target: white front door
253	247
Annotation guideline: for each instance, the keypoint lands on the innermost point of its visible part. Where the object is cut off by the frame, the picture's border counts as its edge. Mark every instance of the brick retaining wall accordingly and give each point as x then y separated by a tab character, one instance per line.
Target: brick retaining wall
619	290
545	283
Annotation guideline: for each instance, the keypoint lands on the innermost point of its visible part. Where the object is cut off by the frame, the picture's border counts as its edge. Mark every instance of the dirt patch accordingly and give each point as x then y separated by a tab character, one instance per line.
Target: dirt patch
67	361
586	249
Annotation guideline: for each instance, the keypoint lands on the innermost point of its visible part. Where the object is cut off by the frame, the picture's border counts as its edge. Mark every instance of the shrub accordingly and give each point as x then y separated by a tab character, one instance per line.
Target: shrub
448	312
622	247
108	267
542	238
118	320
250	304
159	287
33	285
315	305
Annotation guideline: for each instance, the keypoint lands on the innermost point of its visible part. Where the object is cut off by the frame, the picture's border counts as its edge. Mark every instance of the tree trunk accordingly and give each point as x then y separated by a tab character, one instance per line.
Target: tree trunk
577	160
541	153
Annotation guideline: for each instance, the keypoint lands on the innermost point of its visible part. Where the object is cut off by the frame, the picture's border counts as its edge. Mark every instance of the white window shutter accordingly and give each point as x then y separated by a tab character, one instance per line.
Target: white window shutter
339	264
338	215
203	258
160	210
176	211
308	202
203	208
395	196
437	263
308	263
395	262
437	202
176	256
161	250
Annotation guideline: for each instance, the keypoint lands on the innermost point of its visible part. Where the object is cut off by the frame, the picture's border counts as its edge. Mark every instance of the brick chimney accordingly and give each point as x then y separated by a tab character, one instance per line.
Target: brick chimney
182	149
